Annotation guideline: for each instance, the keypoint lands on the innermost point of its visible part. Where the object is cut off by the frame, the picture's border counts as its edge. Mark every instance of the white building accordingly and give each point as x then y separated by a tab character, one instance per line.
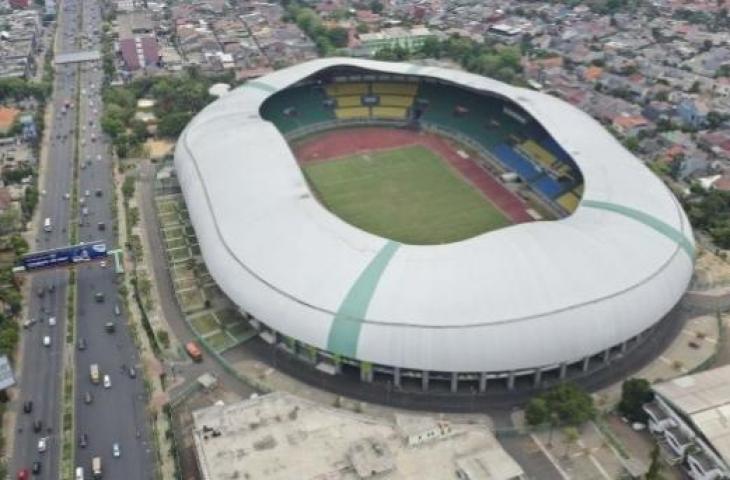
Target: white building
690	417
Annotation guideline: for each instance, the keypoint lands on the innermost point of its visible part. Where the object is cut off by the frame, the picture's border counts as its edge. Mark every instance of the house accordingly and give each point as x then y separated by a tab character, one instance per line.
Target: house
630	125
7	118
693	113
139	52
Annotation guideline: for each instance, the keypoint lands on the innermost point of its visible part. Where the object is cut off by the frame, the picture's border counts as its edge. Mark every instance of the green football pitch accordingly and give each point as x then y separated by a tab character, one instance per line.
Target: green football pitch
408	194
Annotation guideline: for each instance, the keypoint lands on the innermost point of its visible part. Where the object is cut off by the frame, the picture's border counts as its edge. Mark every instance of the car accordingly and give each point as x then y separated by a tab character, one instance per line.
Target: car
83	440
41	291
52	288
88	398
28	406
99	297
43	192
132	372
110	327
28	322
102	264
82	201
36	468
107	381
42	444
46	341
116	451
87	193
99	193
37	425
51	321
81	344
23	474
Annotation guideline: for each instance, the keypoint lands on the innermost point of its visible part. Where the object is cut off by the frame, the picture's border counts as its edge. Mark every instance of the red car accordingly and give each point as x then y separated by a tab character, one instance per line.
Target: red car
23	474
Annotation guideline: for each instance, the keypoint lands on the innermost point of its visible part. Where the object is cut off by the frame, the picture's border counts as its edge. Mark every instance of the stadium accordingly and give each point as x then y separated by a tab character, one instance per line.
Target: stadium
430	228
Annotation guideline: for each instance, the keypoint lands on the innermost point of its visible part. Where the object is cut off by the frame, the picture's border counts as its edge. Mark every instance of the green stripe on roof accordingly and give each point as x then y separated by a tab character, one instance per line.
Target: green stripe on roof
650	221
345	329
261	86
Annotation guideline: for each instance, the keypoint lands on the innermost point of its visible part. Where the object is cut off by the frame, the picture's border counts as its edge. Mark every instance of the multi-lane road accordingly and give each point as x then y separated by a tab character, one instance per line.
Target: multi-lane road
116	414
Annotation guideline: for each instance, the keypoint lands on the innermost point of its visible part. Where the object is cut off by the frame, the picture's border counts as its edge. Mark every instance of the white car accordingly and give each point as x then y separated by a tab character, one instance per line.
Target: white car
87	193
116	451
107	382
47	341
51	321
42	444
66	196
102	264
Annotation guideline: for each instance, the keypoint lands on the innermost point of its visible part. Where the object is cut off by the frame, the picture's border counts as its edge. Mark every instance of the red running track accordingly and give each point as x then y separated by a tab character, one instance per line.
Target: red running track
351	141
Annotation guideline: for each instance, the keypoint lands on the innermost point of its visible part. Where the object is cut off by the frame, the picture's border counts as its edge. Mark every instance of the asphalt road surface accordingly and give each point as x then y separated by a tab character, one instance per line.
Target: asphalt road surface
40	380
116	414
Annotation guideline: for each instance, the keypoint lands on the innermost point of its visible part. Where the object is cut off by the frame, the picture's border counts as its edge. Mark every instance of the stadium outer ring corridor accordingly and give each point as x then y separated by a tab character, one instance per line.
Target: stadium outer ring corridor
520	300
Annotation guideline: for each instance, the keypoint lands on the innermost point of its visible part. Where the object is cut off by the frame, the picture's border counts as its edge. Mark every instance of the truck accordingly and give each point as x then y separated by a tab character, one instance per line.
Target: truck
194	351
96	467
94	373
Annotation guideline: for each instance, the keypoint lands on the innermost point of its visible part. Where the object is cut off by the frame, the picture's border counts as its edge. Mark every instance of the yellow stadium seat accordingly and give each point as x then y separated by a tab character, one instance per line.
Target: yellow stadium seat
569	201
389	112
396	101
352	112
408	89
349	101
340	89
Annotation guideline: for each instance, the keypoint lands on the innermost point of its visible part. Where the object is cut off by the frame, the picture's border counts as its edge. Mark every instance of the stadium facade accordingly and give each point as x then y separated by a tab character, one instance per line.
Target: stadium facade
537	300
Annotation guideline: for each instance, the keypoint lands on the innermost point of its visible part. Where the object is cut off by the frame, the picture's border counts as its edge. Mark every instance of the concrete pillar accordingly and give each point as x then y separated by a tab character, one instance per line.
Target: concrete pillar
586	363
563	370
538	378
424	381
483	381
454	382
396	377
606	355
511	381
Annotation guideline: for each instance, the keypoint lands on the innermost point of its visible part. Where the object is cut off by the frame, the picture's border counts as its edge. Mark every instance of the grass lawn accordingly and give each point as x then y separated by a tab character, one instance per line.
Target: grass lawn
205	324
407	194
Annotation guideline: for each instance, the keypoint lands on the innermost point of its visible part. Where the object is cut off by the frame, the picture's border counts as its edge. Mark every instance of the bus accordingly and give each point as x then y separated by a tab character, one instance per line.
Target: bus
96	467
194	351
47	224
94	373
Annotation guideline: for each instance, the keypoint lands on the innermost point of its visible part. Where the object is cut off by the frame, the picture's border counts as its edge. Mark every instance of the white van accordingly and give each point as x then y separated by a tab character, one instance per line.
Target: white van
79	473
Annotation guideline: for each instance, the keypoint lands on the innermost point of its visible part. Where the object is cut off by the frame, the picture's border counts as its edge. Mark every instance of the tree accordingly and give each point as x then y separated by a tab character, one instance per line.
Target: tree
173	124
537	412
128	187
9	221
655	467
635	392
376	6
572	405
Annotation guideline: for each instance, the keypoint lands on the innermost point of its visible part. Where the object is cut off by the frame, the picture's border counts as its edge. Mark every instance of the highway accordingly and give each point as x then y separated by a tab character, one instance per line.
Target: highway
116	414
40	379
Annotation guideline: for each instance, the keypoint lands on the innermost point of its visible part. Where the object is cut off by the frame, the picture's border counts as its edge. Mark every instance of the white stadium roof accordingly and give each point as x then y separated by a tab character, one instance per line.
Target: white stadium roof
529	295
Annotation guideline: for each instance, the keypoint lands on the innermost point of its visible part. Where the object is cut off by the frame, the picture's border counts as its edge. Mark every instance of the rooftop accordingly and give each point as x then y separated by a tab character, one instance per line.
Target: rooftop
280	436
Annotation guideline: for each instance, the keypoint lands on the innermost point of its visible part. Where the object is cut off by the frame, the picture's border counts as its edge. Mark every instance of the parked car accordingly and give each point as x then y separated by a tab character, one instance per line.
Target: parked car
132	372
46	341
28	406
82	344
83	440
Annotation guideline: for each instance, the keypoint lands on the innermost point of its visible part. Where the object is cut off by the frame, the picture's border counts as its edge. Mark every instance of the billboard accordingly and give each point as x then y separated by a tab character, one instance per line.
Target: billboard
65	256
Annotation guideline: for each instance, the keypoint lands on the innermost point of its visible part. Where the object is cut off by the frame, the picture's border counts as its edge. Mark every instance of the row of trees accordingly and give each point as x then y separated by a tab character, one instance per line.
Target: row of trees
496	61
709	211
327	39
177	100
